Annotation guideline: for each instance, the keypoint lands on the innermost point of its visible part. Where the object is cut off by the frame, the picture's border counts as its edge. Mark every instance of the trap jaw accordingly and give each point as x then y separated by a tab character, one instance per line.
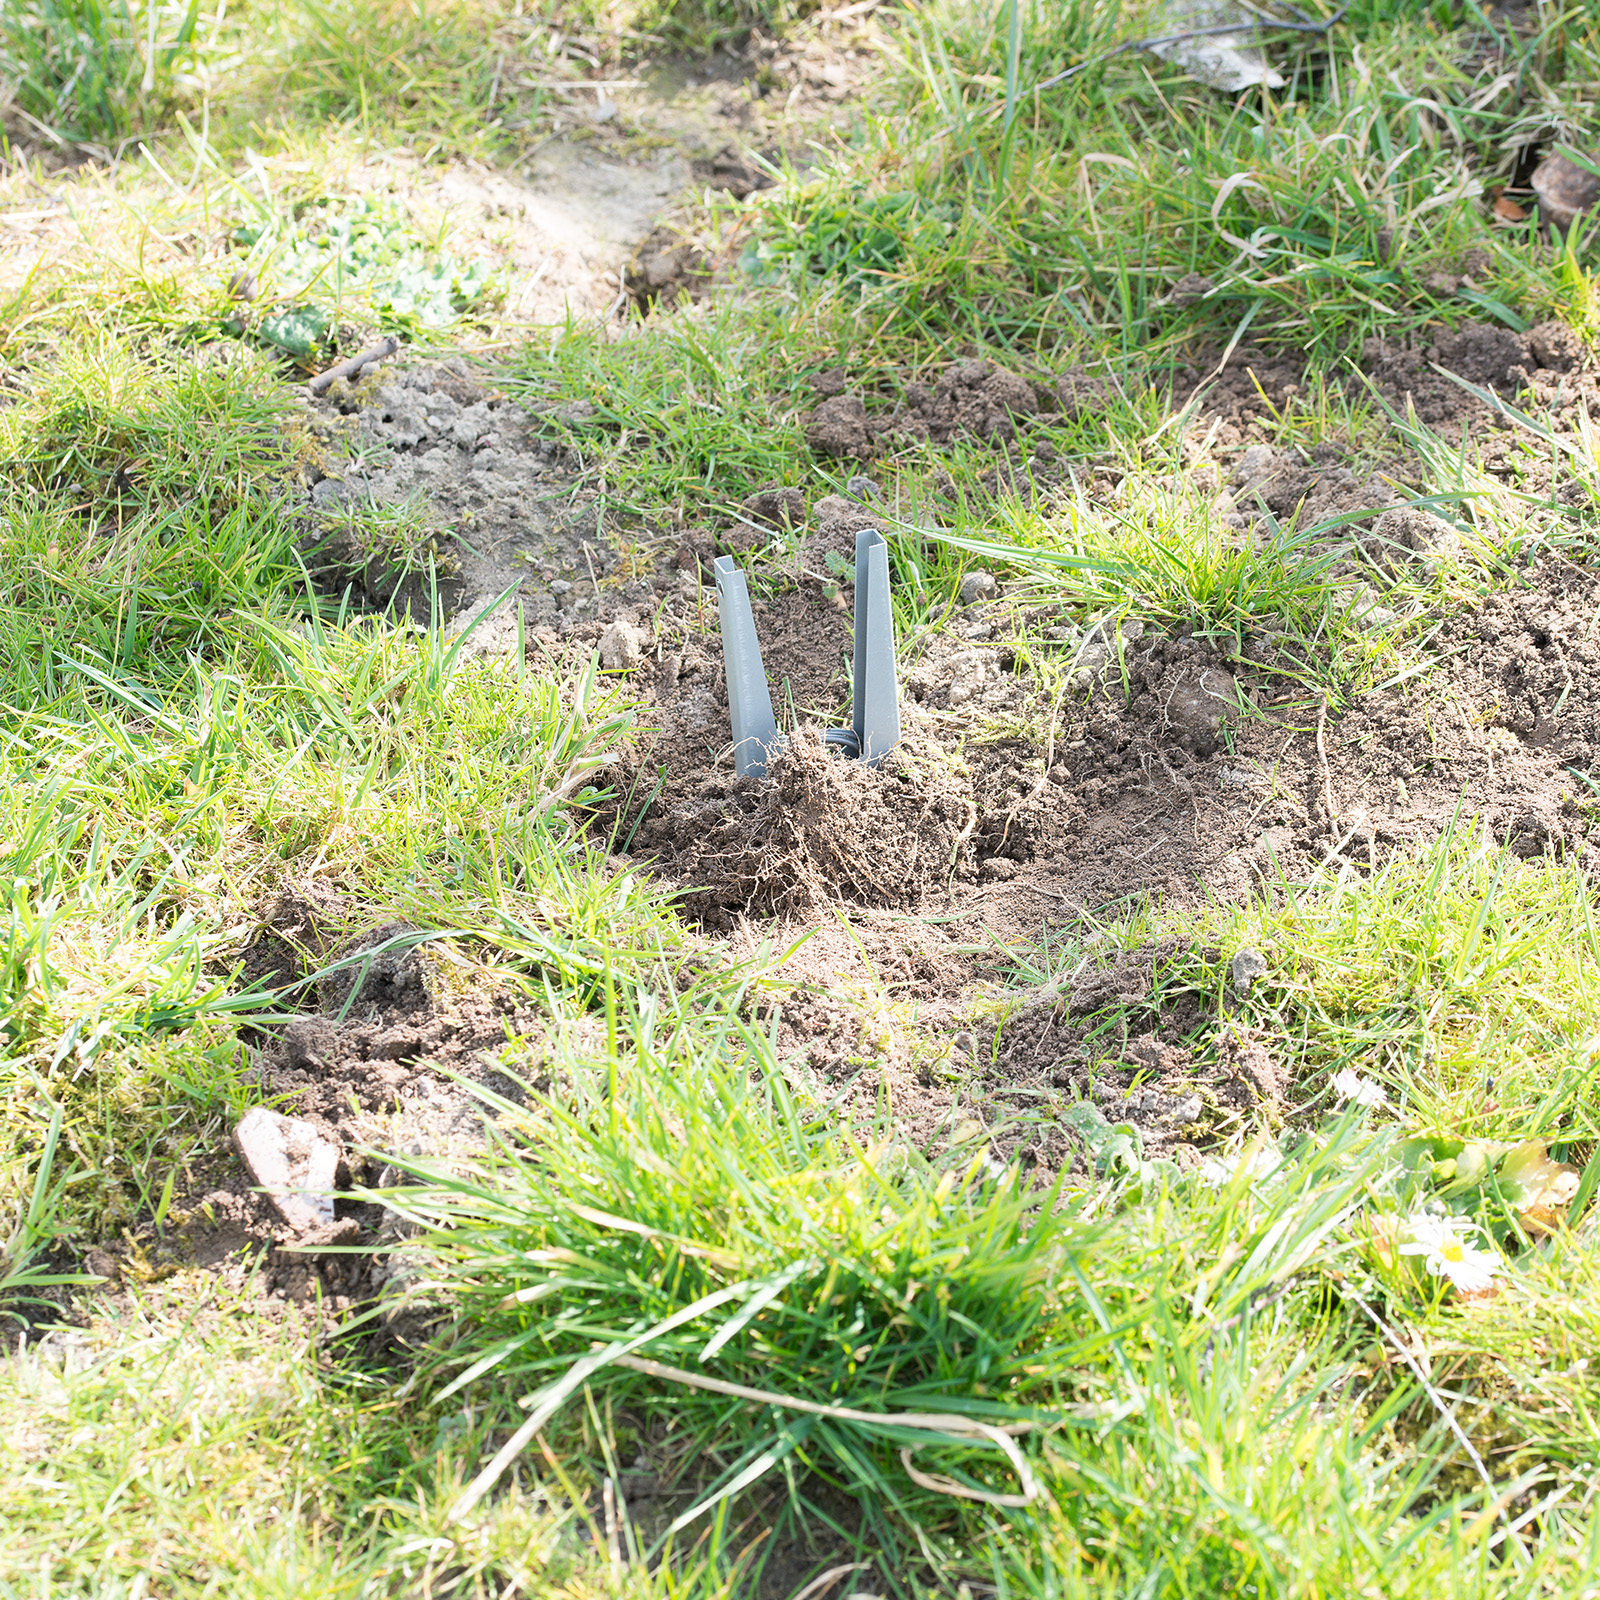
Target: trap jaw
875	701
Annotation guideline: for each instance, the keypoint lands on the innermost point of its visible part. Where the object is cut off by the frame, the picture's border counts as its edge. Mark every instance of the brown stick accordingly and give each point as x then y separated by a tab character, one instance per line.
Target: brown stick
348	369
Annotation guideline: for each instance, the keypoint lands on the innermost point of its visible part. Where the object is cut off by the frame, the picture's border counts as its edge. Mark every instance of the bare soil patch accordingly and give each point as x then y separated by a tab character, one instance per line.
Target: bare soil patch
1239	395
1203	778
1121	1047
376	1063
494	502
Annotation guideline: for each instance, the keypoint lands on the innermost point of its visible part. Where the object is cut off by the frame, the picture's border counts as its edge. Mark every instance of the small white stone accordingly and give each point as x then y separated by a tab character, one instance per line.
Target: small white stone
293	1162
621	646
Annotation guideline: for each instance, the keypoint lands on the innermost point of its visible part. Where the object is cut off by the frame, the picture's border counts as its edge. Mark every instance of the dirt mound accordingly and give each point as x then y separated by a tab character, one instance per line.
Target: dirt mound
1239	393
971	398
366	1065
1256	384
819	831
385	1027
975	399
1406	372
839	427
1177	768
959	799
1276	785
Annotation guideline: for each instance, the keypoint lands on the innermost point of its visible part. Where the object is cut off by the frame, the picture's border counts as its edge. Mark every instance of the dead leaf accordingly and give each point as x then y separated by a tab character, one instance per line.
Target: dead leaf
1509	210
1473	1163
1538	1187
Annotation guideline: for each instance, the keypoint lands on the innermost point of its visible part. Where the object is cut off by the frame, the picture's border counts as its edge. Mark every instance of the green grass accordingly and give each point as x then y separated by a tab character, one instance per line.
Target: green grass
191	1448
469	74
1216	1381
1201	1380
91	72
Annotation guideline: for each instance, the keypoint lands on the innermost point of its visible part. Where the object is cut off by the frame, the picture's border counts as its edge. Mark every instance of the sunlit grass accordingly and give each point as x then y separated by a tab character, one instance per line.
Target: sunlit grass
1213	1385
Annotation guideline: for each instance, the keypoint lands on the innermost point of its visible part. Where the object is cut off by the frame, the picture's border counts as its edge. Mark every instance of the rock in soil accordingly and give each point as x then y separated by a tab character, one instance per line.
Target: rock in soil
977	586
292	1161
1564	190
621	646
1424	535
1245	968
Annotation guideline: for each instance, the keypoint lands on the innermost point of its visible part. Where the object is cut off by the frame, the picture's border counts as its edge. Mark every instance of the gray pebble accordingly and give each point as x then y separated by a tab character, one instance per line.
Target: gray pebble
1186	1112
978	586
1092	660
1246	967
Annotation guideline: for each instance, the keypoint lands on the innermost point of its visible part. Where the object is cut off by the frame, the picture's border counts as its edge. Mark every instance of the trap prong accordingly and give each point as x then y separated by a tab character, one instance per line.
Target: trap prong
755	732
875	700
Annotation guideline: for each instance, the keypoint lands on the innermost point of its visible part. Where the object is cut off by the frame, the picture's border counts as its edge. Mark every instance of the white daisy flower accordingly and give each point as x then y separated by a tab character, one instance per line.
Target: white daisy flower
1350	1085
1257	1163
1442	1242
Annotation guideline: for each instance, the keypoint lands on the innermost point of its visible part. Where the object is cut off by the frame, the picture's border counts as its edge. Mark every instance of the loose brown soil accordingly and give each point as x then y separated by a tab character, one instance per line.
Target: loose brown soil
378	1061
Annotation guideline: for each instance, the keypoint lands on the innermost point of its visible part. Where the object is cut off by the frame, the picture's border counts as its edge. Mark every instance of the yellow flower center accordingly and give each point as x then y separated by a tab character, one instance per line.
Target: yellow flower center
1454	1251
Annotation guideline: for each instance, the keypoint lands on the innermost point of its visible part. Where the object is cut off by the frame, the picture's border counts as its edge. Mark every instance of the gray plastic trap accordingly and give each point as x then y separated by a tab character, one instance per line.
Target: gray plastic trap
875	702
755	733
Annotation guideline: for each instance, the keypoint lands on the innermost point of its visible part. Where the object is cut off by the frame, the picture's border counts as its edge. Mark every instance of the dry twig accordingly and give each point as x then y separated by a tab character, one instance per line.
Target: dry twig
354	366
953	1427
